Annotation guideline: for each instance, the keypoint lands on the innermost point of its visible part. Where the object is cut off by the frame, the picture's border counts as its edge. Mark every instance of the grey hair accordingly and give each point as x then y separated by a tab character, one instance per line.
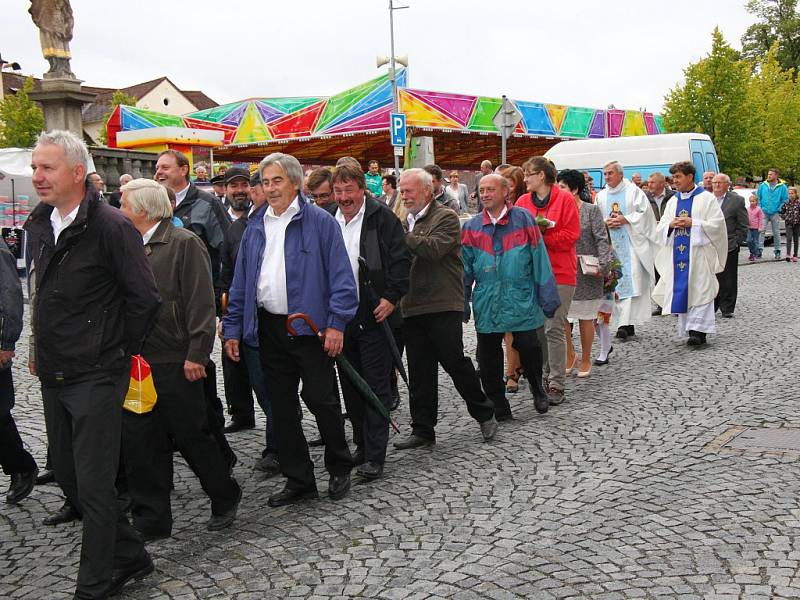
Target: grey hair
421	174
148	197
73	146
658	175
288	164
725	175
617	167
127	177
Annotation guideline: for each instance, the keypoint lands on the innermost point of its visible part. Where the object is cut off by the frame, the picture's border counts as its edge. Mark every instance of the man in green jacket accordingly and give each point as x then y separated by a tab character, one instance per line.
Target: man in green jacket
505	257
177	350
433	311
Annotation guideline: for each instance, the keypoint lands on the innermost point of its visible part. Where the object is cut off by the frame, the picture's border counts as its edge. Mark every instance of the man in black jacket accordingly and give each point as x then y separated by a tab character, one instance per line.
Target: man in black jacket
95	298
204	216
658	194
736	223
371	231
15	460
238	392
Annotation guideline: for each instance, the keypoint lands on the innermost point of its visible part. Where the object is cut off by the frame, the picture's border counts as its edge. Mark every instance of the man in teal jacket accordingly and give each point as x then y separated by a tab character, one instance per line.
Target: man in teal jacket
772	195
505	258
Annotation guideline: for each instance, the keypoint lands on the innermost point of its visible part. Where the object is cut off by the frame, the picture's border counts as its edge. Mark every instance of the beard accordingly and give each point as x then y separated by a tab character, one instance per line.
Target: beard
240	202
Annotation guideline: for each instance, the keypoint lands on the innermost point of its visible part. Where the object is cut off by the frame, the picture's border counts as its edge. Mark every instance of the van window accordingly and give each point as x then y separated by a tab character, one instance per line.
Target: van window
699	166
711	161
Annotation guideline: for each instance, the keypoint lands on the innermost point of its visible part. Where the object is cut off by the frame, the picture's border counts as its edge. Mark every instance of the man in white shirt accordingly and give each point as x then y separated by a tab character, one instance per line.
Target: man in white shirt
694	247
372	232
292	255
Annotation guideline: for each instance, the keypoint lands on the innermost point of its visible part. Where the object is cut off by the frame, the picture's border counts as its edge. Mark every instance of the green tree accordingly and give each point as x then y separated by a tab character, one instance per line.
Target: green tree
778	23
21	119
713	100
119	97
775	108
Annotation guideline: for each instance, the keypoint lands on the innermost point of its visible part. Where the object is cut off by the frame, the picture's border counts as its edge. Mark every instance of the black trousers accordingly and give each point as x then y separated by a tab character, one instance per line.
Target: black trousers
147	442
238	391
84	421
370	356
490	361
434	339
13	456
728	284
214	412
287	360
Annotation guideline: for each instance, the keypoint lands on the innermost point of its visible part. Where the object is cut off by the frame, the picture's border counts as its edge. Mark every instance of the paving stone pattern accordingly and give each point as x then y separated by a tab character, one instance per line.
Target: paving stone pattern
611	495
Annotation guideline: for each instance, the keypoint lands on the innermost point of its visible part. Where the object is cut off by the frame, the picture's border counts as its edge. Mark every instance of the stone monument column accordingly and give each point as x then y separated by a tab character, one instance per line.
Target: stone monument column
61	94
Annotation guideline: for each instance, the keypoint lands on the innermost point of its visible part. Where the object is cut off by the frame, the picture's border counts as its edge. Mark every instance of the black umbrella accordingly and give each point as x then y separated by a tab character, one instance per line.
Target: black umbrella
361	386
387	331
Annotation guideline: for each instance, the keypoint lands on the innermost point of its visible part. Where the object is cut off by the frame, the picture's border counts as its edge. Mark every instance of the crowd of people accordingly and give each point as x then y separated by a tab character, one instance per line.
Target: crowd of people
316	283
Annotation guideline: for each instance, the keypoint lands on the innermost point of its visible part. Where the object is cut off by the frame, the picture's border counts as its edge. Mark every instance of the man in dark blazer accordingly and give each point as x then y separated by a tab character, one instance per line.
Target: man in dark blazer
736	221
658	194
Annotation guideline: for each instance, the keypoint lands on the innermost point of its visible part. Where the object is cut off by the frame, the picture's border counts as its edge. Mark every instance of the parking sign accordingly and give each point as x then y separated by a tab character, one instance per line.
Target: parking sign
398	129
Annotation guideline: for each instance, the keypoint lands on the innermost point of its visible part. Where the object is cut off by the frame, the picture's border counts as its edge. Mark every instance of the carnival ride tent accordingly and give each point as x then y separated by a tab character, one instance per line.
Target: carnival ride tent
355	122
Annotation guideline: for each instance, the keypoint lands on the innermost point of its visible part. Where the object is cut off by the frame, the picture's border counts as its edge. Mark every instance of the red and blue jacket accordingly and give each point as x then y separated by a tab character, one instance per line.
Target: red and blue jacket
508	264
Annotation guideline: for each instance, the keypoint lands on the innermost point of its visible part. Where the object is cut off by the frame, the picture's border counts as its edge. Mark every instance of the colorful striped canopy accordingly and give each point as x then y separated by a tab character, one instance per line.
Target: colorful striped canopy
366	107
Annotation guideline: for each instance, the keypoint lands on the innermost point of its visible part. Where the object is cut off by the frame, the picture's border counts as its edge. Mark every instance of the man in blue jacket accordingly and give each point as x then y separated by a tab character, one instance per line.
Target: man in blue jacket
292	259
772	195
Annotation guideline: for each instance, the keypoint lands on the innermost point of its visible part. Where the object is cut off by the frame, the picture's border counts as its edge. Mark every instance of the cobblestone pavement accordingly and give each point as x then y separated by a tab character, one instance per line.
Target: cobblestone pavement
611	495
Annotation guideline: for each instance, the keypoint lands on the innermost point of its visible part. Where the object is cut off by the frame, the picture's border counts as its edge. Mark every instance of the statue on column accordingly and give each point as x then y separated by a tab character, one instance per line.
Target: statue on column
55	22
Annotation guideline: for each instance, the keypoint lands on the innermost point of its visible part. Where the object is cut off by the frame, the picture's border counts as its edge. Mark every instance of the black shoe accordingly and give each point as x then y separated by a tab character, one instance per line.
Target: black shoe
370	470
268	464
316	442
358	456
503	416
289	496
541	402
338	486
137	570
153	536
45	477
727	315
413	441
622	333
489	429
656	312
66	514
217	522
239	425
21	485
696	338
599	362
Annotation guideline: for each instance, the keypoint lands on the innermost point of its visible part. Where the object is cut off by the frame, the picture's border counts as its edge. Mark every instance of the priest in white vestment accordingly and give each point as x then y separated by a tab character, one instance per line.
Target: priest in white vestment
694	247
632	226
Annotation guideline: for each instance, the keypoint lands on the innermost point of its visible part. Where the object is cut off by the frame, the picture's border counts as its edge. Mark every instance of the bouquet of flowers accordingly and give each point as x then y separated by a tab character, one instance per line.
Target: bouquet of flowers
613	275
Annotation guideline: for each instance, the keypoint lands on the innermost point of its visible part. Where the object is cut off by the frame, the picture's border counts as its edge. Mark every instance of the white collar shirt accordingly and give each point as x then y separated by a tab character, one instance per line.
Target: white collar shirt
500	216
179	196
59	224
352	236
149	233
412	219
271	293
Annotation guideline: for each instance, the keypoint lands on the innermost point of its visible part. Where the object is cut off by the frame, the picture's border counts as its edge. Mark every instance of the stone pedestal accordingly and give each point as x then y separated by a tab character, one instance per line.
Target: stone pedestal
62	101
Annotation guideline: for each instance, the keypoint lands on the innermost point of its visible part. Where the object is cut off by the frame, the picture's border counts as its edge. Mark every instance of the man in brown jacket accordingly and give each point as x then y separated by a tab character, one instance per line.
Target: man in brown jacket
433	310
177	349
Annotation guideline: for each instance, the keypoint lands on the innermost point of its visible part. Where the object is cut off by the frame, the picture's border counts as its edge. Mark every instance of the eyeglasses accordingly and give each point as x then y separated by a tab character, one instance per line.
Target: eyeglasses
320	196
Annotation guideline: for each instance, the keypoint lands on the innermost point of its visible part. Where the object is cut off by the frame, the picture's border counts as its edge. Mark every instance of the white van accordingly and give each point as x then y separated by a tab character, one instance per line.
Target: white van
644	154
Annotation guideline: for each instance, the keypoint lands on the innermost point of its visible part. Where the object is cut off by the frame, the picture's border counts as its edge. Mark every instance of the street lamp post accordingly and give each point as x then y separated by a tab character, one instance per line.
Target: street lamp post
393	74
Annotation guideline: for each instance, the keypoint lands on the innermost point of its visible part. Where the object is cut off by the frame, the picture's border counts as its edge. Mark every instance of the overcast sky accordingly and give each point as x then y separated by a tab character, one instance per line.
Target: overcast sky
577	52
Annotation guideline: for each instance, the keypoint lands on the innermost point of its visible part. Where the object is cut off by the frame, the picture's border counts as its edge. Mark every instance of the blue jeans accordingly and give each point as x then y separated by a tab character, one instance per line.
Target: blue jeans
752	241
252	359
775	220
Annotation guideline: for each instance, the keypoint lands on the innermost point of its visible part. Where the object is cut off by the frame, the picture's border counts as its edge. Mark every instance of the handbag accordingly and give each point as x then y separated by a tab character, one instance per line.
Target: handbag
141	396
590	265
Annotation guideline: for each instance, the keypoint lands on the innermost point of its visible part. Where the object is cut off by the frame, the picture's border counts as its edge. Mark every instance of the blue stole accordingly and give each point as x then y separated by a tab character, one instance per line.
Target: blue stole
681	243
